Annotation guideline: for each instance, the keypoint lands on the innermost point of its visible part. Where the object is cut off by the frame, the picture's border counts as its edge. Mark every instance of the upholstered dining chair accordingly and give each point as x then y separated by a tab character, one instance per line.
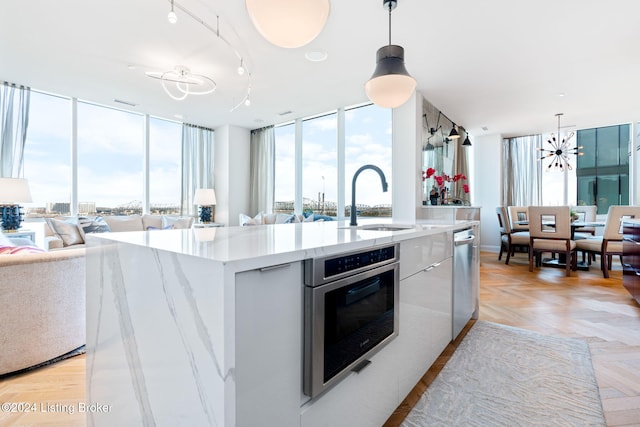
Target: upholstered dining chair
550	231
585	214
610	243
518	213
509	240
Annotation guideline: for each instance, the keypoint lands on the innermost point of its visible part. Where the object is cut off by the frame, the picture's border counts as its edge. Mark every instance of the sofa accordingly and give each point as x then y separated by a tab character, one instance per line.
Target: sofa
69	232
42	295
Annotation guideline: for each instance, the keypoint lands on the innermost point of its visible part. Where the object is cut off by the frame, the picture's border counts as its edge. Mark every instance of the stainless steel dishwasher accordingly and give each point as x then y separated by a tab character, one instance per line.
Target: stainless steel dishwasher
464	278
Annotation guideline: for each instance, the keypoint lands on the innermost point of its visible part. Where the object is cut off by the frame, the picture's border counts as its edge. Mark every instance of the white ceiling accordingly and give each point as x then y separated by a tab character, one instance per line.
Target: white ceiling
494	64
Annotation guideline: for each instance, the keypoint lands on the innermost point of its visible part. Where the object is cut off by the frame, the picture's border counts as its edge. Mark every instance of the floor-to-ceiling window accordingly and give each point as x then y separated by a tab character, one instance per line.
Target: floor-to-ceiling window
603	169
47	155
368	140
363	137
319	164
110	159
164	166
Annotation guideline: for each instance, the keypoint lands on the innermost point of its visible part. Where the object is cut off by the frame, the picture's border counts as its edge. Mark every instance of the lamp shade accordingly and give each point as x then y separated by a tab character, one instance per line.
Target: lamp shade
14	190
390	86
467	141
204	197
454	133
288	23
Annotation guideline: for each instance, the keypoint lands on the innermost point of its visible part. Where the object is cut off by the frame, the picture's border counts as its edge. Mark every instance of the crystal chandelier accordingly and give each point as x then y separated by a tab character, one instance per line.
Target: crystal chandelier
560	151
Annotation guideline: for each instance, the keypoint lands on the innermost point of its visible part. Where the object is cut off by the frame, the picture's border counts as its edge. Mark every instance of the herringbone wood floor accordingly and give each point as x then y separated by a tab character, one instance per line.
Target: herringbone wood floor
584	306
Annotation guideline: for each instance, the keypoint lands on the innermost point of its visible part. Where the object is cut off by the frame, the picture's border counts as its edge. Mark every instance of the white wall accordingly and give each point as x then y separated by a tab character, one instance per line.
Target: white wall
406	161
486	186
231	173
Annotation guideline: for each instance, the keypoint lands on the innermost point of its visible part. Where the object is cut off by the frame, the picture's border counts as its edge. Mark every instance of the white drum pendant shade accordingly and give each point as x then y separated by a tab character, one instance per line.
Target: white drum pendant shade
391	85
289	23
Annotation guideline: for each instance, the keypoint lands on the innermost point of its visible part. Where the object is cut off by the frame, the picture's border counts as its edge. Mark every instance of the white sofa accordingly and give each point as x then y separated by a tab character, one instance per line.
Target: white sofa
42	296
68	232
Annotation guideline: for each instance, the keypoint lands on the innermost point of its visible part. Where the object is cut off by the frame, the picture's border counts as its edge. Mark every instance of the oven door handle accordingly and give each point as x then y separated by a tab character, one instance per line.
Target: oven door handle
356	294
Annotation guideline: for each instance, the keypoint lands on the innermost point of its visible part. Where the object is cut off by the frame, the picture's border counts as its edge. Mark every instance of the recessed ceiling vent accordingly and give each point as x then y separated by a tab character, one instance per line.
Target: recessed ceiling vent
284	113
130	104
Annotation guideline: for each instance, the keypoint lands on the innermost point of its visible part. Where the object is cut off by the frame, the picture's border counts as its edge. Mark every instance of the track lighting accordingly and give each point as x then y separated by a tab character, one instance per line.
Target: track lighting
172	17
454	133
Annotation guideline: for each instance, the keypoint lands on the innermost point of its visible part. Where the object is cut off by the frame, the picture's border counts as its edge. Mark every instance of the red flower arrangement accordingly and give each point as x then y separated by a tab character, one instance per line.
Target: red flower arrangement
441	179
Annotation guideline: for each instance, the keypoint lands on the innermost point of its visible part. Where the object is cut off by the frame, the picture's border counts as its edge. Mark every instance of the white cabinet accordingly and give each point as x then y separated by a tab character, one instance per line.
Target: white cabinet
426	311
269	304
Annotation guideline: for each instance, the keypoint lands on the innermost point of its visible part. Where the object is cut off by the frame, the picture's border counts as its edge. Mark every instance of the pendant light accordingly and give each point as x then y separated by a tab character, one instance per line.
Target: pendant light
288	23
390	86
454	132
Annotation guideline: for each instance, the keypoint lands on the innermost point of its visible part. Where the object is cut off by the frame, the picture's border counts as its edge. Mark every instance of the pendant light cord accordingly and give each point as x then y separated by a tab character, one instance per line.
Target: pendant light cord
390	9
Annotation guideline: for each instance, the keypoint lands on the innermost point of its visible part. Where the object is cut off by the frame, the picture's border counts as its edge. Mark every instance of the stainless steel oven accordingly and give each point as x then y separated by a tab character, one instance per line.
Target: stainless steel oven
351	311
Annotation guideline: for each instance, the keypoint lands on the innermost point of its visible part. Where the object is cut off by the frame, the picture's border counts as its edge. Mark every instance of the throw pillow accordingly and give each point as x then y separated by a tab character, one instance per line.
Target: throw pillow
176	222
5	241
20	250
118	223
168	227
92	225
247	220
66	230
283	218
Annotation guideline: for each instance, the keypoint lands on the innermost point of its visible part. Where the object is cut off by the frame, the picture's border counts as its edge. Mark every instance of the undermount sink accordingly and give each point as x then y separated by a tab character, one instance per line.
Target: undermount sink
385	227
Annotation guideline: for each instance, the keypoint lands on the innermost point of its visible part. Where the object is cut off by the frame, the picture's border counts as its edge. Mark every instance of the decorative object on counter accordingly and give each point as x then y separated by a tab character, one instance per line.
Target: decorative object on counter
12	192
483	374
559	151
391	85
441	188
206	199
289	23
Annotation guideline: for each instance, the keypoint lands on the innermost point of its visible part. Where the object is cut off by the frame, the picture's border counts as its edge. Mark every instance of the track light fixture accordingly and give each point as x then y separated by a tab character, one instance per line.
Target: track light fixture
391	85
180	82
454	133
466	142
172	17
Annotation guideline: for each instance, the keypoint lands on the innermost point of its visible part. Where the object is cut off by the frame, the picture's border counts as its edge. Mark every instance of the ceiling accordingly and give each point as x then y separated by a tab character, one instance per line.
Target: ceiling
493	66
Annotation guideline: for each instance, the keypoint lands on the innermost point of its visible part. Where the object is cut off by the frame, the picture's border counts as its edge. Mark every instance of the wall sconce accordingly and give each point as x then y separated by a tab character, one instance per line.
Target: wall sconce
391	85
454	133
206	199
288	23
12	192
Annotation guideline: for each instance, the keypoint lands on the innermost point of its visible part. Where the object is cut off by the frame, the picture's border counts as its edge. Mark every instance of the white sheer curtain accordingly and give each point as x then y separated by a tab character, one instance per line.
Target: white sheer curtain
197	164
522	175
14	113
263	161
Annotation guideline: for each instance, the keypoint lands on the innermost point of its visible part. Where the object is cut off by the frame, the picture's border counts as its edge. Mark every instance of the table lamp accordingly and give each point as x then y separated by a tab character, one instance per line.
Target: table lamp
206	199
12	192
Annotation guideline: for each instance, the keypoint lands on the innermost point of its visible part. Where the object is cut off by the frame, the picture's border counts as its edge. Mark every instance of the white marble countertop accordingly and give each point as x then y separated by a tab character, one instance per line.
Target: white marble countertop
278	243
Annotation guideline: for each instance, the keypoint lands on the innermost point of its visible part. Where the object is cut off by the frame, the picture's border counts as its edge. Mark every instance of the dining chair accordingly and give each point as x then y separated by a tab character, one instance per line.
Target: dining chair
509	240
585	214
610	243
518	213
550	231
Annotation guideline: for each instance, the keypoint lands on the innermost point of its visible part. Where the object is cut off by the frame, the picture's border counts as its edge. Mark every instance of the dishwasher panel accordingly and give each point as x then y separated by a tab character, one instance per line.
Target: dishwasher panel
464	276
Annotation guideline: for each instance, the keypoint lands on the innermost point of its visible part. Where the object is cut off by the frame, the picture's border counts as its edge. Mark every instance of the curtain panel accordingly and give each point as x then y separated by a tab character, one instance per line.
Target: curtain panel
522	173
263	163
197	165
14	113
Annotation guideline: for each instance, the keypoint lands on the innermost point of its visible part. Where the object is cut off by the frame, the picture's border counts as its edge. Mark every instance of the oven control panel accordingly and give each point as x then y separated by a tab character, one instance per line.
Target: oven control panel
326	269
347	263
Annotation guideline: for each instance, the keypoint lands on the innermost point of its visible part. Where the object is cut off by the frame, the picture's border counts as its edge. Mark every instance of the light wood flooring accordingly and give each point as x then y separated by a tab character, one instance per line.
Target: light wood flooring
584	306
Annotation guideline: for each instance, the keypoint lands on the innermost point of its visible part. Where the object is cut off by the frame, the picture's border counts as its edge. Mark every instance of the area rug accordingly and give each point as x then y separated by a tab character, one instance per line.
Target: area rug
505	376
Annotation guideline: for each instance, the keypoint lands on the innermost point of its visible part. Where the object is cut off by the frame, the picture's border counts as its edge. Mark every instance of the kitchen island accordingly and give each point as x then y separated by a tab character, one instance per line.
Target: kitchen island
205	326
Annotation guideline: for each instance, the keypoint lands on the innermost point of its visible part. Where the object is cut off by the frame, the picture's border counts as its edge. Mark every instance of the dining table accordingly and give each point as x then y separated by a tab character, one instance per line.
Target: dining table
561	261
